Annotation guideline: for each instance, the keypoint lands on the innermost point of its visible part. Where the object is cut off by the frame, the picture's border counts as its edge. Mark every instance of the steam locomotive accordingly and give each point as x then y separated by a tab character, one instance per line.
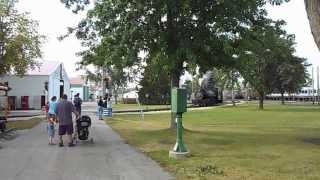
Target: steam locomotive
209	94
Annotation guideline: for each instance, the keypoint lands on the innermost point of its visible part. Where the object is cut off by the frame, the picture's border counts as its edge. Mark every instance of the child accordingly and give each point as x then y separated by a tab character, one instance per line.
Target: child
51	130
52	119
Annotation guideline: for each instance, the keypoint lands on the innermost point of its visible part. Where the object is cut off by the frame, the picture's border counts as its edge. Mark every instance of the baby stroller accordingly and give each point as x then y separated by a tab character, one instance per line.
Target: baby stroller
82	128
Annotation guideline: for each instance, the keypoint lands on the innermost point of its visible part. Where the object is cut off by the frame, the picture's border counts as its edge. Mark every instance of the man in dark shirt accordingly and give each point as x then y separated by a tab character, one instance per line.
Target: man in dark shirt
77	103
64	112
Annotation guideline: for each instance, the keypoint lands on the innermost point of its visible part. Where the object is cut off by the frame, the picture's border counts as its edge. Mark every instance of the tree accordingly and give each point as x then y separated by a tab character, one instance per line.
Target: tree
20	41
155	86
228	78
266	46
312	8
178	32
291	76
117	78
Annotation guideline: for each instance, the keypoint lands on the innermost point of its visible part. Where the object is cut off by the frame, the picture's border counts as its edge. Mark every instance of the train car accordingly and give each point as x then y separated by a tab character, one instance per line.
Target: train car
305	94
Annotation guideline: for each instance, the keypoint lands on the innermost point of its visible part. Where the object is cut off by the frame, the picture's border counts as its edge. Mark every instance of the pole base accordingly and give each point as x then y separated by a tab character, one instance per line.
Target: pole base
178	155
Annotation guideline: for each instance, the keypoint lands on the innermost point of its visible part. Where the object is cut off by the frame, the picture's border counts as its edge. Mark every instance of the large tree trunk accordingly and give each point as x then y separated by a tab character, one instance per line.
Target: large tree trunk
261	98
232	97
282	98
313	11
116	97
103	82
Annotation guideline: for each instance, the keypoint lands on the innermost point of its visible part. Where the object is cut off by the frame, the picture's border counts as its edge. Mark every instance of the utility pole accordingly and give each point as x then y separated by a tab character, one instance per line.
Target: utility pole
312	87
318	85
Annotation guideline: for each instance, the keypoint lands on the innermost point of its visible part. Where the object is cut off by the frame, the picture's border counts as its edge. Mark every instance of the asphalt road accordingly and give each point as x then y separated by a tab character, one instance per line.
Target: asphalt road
29	157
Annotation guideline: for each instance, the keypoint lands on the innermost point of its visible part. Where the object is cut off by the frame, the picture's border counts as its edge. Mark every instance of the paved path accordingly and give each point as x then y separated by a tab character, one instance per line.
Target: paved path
28	157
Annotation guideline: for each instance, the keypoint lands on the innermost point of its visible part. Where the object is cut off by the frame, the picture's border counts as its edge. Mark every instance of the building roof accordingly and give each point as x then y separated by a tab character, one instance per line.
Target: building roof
46	68
77	81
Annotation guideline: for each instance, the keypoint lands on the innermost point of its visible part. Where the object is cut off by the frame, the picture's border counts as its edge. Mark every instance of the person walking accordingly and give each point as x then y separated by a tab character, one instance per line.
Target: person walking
77	101
109	107
104	106
64	112
52	119
100	108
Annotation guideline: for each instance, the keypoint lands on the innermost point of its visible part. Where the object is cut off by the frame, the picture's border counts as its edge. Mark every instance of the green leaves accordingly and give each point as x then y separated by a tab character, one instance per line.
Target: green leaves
267	60
278	2
235	35
76	5
20	41
192	31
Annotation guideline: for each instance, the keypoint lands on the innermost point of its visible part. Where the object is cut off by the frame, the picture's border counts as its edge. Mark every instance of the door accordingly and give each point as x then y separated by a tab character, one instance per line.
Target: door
12	102
25	102
61	88
43	101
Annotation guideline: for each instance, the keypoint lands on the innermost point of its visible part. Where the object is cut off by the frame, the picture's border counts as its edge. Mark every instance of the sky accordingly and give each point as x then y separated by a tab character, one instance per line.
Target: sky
54	19
297	23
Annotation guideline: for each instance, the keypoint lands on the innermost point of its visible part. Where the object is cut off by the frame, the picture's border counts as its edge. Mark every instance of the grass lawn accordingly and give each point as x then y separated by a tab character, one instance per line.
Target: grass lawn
226	143
25	124
136	106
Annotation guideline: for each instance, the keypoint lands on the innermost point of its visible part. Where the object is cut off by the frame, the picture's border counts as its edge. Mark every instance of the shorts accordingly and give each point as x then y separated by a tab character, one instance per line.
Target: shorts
51	130
66	129
78	109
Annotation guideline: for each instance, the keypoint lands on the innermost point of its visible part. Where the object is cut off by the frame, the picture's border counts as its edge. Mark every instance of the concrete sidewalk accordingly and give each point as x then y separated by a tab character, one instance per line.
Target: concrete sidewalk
25	113
29	157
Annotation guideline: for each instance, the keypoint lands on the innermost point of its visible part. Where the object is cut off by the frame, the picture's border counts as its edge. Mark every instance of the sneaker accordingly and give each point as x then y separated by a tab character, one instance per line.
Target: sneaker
71	144
60	144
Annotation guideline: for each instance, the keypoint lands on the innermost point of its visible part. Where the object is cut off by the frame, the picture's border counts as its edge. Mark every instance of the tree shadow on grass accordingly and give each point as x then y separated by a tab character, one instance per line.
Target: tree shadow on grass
293	109
168	137
243	138
315	141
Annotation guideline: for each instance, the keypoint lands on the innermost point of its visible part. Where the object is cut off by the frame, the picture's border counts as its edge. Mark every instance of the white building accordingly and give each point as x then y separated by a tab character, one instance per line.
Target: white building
34	89
78	85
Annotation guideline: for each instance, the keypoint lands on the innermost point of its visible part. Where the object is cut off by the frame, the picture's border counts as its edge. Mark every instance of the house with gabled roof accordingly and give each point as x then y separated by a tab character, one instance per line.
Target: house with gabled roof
38	85
79	86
